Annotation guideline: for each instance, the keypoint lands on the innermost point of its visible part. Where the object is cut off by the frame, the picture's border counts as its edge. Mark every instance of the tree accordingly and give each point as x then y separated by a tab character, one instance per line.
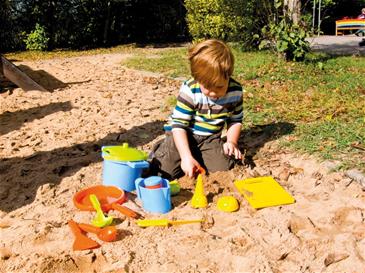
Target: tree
293	7
7	31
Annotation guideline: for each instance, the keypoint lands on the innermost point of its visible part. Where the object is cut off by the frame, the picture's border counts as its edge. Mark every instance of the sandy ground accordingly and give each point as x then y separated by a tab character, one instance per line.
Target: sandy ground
50	149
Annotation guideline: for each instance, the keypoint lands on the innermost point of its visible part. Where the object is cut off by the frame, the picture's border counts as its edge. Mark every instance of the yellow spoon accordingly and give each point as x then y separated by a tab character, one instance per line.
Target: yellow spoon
100	220
165	222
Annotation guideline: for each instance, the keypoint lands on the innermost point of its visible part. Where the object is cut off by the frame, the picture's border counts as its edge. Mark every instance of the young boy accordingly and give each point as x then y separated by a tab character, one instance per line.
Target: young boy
206	103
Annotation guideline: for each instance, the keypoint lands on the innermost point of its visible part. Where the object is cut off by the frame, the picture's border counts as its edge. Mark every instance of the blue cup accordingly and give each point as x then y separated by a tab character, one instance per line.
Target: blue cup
156	200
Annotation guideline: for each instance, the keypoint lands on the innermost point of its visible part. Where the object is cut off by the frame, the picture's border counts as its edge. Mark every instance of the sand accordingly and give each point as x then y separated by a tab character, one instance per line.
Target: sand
50	149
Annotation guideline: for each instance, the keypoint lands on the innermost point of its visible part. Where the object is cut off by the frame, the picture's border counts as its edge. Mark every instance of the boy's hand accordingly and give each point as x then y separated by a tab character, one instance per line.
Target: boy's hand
189	166
231	148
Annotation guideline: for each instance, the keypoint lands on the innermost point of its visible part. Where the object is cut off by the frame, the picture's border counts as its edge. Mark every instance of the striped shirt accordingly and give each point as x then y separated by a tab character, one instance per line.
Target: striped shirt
202	115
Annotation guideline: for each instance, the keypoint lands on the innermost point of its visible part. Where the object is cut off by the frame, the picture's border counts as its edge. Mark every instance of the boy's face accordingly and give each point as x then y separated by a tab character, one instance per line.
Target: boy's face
217	91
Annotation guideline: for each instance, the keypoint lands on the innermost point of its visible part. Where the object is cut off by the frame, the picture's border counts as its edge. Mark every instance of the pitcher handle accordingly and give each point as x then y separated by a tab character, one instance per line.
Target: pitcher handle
138	191
168	190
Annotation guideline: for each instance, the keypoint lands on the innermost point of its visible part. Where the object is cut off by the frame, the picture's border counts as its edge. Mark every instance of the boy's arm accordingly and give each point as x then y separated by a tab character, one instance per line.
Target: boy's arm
231	146
234	132
188	163
181	117
234	124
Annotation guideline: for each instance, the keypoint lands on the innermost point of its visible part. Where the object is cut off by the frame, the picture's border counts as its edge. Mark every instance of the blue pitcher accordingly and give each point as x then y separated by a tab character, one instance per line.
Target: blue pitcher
122	166
154	199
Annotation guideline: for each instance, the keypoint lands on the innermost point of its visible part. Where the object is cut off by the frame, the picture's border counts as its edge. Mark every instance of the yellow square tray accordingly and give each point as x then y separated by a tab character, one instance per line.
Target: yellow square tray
262	192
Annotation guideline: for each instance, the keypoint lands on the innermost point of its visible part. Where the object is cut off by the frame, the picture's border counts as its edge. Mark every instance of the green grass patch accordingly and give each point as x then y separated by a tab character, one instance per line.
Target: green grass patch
42	55
169	62
334	140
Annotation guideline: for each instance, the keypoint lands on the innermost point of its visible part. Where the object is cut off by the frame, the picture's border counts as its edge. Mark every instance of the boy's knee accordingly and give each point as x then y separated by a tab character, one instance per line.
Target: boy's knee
215	160
164	160
223	163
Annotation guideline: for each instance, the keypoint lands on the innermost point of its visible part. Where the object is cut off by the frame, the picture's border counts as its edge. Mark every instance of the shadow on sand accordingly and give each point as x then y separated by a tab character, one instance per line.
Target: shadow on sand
41	77
20	176
10	121
255	138
45	79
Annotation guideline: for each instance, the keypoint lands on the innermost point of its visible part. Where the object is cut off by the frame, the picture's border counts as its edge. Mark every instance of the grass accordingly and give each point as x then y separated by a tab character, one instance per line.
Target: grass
172	63
42	55
324	97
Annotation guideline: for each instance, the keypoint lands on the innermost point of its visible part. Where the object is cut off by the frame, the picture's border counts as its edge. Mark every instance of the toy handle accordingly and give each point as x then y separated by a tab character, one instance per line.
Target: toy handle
74	227
200	170
153	222
89	228
95	202
126	211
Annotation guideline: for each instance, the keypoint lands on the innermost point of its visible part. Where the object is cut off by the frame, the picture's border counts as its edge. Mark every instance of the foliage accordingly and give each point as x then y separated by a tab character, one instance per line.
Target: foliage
215	19
37	39
9	39
81	24
284	36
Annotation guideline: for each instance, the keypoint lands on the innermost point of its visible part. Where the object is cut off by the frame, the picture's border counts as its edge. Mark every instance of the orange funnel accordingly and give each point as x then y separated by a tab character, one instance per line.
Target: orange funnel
82	242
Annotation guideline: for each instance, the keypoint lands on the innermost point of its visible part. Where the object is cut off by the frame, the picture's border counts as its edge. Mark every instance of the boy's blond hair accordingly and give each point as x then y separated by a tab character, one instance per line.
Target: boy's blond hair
211	61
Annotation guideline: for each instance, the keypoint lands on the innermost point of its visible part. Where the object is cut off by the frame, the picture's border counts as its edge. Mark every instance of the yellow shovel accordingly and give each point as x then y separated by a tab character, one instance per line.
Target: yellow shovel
165	222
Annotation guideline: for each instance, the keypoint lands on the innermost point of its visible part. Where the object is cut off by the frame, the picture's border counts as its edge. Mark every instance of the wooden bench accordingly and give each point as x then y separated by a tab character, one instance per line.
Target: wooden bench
349	24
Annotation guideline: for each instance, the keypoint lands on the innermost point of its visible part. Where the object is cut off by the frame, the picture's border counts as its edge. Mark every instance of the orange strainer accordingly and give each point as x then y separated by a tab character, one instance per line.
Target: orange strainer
110	198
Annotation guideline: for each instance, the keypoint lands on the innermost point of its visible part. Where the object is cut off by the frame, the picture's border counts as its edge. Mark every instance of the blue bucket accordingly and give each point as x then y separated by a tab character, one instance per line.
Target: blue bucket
122	166
154	200
123	174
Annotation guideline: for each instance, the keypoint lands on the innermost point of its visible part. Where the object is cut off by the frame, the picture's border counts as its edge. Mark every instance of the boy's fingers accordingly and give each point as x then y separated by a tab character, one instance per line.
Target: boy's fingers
225	149
238	154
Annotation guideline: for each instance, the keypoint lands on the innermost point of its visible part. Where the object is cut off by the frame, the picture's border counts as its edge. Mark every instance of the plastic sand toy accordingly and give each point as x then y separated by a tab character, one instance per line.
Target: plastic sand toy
165	222
110	198
199	200
100	220
174	187
262	192
106	234
82	242
122	165
227	204
156	200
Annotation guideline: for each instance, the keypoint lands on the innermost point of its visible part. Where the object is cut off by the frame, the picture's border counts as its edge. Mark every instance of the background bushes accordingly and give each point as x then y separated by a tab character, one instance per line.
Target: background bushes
82	24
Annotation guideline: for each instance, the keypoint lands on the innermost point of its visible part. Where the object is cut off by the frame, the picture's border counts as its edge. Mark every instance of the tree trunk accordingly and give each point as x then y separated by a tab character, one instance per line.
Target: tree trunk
292	7
106	25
